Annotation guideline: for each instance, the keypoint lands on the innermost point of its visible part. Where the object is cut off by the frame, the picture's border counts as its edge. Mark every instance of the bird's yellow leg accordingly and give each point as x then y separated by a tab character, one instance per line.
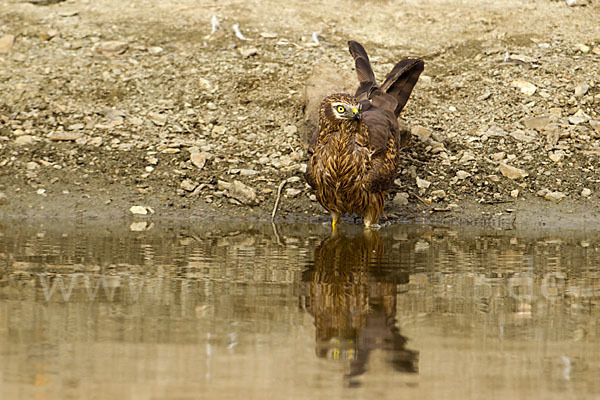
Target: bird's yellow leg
334	220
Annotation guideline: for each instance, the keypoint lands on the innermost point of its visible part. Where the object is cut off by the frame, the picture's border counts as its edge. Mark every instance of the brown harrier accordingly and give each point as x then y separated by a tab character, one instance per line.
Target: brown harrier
354	154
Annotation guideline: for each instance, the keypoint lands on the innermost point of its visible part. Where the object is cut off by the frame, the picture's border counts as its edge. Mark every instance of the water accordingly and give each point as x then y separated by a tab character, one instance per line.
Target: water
240	310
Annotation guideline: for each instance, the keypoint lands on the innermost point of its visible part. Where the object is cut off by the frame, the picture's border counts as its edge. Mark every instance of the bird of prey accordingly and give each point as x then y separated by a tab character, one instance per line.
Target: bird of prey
354	153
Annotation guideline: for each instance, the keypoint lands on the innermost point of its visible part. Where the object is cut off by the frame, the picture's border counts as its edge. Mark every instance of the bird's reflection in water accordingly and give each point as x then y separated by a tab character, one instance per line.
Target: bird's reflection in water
351	293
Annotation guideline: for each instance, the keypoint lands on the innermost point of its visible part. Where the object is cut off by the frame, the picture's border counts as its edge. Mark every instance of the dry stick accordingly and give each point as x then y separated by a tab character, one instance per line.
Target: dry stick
279	189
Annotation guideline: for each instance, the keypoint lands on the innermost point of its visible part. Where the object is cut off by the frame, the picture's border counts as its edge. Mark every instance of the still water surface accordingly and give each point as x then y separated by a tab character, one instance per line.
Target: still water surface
240	310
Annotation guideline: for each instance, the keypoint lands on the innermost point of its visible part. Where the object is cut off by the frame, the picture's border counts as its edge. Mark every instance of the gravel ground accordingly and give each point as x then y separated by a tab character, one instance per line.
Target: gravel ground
107	105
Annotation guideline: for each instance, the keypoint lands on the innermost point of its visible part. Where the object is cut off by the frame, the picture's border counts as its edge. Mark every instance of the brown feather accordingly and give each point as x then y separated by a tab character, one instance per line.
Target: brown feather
353	162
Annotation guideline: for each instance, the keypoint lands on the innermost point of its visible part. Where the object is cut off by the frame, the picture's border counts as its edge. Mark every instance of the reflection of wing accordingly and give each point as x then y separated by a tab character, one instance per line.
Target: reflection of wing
354	304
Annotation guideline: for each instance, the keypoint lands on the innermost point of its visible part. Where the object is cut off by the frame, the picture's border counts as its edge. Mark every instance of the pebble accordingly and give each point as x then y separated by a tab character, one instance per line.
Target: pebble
239	191
113	47
512	172
514	193
24	140
268	35
157	118
211	106
64	136
198	159
141	210
248	51
584	48
6	43
585	192
557	155
188	185
581	89
155	50
290	130
291	192
498	156
248	172
578	118
422	183
438	193
32	165
554	196
525	87
422	133
294	179
76	127
3	198
462	174
401	199
466	157
522	136
537	123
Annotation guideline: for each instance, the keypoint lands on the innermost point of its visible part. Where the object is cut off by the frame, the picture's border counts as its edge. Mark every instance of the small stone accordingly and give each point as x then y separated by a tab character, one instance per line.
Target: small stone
514	193
188	185
525	87
248	172
581	89
522	136
32	165
157	118
422	133
198	159
438	193
96	142
139	210
211	106
6	43
41	192
149	168
3	198
291	192
239	191
584	48
554	196
268	35
512	172
294	179
422	183
290	130
466	157
113	47
498	156
401	199
537	123
248	52
219	130
76	127
65	136
585	192
542	192
139	226
155	50
578	118
462	174
557	155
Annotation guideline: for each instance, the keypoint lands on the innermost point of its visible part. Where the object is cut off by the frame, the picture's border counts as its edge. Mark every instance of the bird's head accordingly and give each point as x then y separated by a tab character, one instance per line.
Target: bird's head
341	107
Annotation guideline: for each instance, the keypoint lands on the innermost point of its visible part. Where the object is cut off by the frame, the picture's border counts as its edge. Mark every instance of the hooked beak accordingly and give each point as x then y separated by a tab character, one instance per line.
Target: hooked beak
356	113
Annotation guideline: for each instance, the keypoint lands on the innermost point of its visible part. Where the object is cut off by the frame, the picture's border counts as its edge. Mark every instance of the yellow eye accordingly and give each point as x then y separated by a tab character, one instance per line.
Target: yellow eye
341	109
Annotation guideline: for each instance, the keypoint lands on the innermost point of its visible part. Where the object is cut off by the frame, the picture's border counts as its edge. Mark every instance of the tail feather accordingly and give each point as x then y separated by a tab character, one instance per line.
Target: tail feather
366	77
400	82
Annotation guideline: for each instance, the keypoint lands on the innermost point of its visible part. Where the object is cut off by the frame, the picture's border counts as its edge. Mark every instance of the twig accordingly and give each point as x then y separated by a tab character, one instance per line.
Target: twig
279	189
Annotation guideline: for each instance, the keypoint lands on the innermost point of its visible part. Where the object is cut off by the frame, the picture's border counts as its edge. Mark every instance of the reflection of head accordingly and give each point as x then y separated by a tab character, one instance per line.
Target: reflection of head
351	292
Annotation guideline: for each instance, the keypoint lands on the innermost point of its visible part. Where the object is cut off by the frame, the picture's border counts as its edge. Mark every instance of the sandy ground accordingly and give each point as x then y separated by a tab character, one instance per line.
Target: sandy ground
105	105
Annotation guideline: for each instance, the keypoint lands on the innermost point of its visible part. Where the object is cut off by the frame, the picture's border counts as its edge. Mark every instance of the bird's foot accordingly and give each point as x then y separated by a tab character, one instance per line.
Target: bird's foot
374	227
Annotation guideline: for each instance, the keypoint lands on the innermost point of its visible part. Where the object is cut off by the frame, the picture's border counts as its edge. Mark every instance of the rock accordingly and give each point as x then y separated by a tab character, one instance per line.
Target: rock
422	133
498	156
542	192
581	89
514	193
585	192
6	43
140	210
188	185
290	130
268	35
512	172
466	157
401	199
3	198
584	48
76	127
537	123
113	48
422	183
155	50
248	172
238	191
294	179
24	140
440	194
291	192
140	226
248	51
525	87
198	159
462	174
578	118
157	118
555	196
522	136
32	165
211	106
65	136
557	155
